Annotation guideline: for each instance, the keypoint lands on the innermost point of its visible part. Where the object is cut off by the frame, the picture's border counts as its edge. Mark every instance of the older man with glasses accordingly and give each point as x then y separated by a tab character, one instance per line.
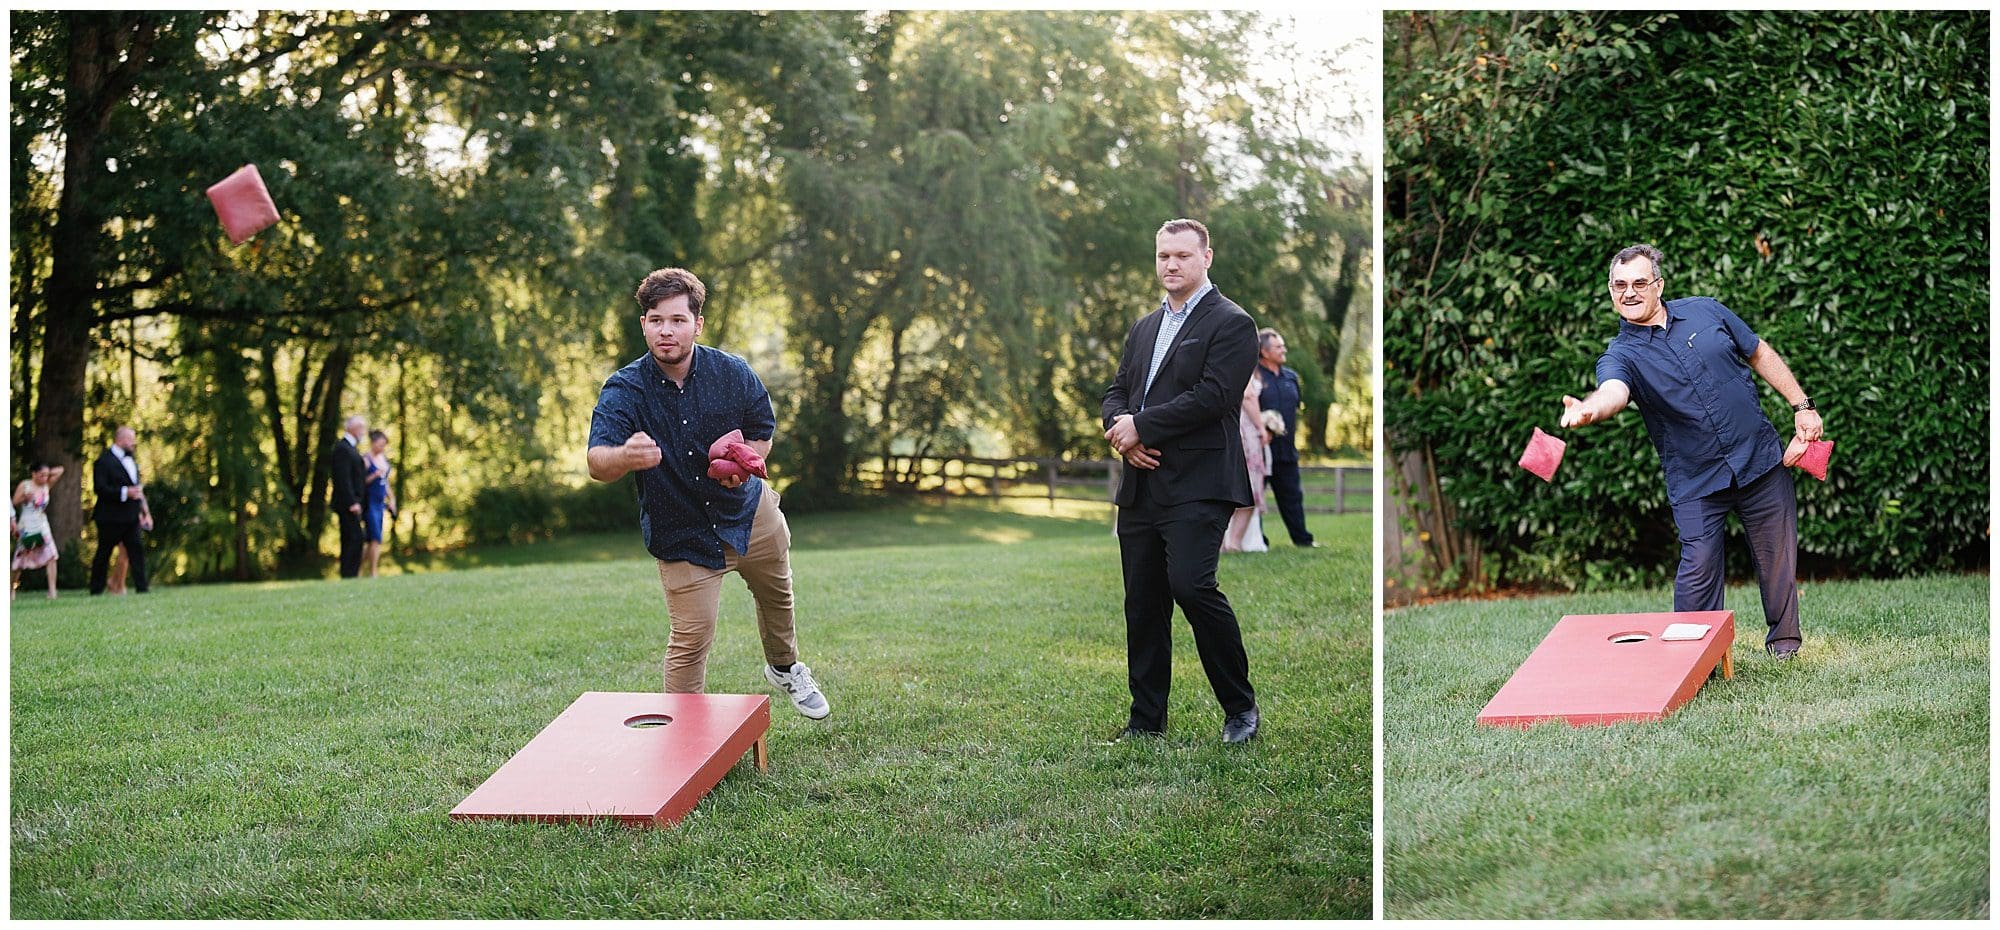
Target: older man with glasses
1687	363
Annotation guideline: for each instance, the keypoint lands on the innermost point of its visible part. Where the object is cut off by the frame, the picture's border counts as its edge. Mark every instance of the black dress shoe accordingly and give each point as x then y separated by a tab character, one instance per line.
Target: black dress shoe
1135	733
1239	728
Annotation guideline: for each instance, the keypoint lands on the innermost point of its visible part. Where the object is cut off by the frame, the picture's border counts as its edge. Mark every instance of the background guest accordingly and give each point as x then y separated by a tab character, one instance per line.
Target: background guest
379	497
36	547
1281	393
1246	525
121	503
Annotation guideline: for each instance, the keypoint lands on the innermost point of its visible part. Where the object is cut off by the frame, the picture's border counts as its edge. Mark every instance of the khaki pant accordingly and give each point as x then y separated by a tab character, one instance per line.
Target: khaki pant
694	594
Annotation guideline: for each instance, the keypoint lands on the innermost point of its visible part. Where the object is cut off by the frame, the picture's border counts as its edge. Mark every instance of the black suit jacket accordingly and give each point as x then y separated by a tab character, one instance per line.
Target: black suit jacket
350	475
1190	413
107	476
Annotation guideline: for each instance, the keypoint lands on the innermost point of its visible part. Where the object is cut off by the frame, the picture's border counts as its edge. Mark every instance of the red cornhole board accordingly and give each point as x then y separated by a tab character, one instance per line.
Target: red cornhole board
242	204
592	763
1582	675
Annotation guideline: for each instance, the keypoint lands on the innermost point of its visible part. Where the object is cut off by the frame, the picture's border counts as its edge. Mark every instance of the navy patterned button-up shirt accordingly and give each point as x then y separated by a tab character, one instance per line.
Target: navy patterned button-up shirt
1691	379
684	515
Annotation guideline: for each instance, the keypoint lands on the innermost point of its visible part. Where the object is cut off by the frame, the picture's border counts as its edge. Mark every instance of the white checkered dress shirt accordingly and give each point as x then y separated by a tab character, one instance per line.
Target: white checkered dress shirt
1170	327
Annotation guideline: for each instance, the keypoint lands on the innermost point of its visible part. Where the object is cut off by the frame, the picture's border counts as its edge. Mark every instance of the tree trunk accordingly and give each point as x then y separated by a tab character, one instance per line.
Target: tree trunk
889	397
274	411
24	344
822	429
333	378
106	53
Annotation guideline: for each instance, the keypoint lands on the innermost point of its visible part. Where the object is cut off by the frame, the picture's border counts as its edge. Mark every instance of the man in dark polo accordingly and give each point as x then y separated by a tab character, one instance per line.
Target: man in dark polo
1171	414
1282	393
656	418
1687	364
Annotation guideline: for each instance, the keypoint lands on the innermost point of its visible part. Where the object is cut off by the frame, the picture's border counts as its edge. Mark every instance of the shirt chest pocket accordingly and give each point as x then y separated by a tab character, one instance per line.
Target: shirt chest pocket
1188	354
1711	349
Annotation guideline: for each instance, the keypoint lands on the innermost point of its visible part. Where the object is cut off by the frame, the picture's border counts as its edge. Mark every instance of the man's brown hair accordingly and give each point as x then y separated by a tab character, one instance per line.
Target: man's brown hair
671	282
1185	225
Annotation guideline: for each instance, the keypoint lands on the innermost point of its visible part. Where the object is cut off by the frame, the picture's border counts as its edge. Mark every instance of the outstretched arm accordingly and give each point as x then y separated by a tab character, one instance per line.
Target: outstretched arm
610	463
1602	404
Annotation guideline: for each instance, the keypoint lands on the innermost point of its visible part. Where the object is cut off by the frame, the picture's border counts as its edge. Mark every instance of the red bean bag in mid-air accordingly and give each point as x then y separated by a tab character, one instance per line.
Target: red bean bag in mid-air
243	204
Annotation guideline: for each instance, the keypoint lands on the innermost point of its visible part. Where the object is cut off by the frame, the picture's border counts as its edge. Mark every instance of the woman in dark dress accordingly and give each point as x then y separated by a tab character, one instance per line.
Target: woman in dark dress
380	498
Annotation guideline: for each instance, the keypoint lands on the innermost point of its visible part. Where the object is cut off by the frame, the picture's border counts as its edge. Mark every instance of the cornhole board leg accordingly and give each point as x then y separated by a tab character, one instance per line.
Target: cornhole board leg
1612	668
763	757
640	758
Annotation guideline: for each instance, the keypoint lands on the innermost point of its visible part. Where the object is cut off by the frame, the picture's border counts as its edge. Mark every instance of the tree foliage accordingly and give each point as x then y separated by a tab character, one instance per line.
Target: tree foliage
924	229
1824	175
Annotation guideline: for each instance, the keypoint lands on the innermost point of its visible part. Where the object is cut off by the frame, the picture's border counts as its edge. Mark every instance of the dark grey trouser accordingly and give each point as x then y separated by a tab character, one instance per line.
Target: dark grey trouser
1770	513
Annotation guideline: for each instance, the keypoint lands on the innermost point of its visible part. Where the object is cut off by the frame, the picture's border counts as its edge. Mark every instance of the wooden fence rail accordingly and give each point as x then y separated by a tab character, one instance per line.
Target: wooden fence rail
1350	488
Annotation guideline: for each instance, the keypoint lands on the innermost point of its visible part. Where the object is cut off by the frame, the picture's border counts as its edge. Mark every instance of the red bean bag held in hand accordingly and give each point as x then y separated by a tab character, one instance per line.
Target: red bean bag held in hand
1818	454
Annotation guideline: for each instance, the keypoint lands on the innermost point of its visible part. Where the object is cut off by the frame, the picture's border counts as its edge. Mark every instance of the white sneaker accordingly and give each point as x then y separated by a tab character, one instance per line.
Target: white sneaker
798	685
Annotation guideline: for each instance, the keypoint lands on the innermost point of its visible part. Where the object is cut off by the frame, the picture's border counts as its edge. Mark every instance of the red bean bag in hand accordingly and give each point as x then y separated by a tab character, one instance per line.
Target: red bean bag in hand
730	456
243	204
1818	454
1544	453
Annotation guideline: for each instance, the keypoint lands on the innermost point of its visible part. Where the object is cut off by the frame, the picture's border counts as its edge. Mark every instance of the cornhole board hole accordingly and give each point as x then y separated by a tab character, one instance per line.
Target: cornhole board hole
640	758
1612	668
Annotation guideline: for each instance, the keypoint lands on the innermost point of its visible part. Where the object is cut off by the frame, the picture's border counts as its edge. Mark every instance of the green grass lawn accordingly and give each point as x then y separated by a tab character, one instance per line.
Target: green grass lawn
1850	782
291	749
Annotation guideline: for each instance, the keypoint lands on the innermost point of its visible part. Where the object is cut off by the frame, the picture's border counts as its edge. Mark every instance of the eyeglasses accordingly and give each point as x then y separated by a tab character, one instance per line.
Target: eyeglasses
1618	287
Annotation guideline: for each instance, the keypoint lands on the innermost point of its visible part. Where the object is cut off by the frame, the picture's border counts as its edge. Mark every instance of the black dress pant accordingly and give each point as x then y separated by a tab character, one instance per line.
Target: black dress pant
1291	495
1170	555
109	535
350	544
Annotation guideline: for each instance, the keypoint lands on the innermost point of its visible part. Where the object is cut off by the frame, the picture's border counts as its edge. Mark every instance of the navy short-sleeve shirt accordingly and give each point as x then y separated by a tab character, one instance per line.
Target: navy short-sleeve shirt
1691	380
684	515
1282	393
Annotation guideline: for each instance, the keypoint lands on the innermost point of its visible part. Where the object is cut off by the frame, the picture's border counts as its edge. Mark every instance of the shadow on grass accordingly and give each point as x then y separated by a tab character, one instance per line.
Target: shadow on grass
898	523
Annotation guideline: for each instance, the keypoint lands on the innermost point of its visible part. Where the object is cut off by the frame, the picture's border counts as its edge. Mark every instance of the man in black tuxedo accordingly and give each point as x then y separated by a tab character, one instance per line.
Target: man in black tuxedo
1171	415
121	505
350	489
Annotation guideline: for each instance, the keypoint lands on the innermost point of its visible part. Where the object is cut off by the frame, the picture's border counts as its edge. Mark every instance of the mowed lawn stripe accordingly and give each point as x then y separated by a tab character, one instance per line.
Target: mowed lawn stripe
1851	782
291	749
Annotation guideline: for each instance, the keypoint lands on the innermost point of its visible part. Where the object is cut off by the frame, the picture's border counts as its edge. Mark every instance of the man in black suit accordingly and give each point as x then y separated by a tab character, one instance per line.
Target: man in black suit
1171	415
350	489
121	504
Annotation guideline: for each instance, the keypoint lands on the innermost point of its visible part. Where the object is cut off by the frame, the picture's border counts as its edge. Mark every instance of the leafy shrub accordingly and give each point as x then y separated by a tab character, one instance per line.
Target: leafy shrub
1826	176
538	510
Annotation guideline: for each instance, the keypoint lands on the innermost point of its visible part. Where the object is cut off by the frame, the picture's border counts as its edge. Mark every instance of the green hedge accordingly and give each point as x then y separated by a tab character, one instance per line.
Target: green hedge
1824	175
534	511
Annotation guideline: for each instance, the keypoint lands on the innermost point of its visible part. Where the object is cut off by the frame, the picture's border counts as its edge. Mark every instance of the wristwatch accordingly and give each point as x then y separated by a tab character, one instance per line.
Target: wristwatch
1806	404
